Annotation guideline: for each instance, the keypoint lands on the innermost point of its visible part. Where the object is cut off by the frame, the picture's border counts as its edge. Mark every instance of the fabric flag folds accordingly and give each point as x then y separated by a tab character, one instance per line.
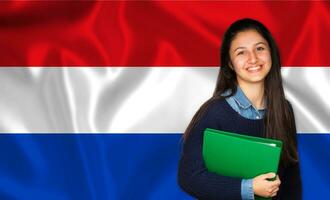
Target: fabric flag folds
95	96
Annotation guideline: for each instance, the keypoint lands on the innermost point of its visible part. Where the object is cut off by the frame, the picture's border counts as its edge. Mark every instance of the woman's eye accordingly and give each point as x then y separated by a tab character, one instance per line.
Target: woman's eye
240	53
260	48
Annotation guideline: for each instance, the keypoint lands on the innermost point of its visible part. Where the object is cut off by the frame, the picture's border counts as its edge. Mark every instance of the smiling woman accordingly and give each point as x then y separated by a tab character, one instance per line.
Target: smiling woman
248	99
251	60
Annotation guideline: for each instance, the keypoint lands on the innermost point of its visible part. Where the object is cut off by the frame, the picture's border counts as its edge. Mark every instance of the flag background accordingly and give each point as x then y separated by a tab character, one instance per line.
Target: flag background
95	95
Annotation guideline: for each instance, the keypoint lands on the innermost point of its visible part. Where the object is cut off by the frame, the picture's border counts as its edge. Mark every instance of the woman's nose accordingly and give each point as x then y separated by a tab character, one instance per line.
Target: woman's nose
252	57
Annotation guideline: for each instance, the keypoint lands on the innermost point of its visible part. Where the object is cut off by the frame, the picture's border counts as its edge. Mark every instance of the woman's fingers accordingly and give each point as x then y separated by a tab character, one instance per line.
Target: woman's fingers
275	187
278	179
264	187
274	192
276	183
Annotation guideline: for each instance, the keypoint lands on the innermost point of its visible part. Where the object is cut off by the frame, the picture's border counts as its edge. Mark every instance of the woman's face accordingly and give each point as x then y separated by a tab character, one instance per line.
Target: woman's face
250	57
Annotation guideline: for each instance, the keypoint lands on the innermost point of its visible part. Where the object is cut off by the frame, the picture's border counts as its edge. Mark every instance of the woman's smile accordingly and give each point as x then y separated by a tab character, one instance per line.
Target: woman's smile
254	69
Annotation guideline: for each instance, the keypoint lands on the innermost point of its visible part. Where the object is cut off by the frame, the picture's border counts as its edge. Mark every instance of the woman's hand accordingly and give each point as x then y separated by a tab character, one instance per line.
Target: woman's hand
264	188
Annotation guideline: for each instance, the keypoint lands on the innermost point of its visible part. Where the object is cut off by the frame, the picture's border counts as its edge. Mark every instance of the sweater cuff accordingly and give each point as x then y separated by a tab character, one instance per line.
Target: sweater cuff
247	189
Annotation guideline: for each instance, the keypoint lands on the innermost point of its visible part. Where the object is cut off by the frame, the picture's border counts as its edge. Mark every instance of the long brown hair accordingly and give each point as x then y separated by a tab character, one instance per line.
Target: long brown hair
279	119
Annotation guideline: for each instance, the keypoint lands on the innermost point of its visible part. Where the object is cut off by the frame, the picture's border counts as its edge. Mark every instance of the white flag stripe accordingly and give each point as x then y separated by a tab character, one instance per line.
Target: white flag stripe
136	99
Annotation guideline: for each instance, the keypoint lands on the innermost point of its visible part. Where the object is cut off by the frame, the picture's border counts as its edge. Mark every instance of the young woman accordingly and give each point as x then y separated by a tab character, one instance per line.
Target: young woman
248	99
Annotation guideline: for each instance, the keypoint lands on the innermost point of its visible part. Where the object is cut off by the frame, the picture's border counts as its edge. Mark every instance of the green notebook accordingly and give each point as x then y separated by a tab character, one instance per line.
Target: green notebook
242	156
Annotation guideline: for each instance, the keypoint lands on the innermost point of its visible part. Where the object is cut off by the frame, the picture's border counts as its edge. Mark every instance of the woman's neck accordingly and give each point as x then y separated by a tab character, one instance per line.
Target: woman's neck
255	93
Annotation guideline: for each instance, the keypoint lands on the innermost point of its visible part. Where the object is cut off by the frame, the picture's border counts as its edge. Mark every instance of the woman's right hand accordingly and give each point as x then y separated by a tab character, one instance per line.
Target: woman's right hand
265	188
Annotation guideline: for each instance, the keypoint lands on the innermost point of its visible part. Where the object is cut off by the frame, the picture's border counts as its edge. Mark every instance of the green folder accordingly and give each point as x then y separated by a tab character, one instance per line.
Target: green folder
238	155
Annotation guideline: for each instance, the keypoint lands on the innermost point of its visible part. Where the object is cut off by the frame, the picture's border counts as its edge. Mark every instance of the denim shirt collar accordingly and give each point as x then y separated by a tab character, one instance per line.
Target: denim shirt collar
242	100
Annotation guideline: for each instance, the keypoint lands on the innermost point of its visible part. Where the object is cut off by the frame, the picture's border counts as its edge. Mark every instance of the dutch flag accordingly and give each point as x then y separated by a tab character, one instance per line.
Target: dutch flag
95	96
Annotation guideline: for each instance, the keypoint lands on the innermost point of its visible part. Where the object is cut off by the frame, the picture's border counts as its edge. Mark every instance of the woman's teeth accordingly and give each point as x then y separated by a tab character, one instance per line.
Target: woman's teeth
254	68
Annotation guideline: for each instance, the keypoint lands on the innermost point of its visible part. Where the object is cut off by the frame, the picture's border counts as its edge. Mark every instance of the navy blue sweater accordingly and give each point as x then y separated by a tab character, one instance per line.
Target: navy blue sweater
193	176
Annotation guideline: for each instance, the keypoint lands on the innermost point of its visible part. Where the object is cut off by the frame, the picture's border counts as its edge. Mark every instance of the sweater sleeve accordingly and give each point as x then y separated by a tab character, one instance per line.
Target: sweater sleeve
193	177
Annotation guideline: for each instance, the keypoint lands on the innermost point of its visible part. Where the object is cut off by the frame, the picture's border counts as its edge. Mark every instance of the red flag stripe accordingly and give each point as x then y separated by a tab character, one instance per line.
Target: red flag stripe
153	33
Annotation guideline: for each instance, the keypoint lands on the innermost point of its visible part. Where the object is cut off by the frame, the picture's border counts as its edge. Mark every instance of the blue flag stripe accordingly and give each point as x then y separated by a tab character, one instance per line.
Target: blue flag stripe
107	166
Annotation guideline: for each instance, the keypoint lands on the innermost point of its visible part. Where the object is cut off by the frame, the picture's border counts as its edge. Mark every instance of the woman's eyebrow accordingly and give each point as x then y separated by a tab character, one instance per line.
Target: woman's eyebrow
254	45
239	48
259	43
